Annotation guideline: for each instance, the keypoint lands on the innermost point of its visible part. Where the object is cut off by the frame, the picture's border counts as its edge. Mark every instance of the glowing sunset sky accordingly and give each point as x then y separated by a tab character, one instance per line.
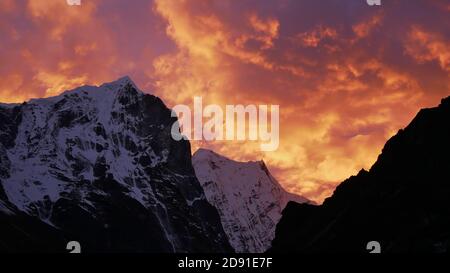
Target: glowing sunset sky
346	75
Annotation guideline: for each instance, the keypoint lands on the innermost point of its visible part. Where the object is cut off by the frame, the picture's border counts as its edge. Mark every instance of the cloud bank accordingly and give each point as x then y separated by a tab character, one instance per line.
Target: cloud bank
346	75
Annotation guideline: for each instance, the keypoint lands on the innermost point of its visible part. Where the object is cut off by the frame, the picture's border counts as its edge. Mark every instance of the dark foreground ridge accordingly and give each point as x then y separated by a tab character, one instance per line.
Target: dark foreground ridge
403	202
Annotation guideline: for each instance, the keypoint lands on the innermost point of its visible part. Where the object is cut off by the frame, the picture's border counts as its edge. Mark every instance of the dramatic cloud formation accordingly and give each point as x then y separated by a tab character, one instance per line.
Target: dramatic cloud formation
346	75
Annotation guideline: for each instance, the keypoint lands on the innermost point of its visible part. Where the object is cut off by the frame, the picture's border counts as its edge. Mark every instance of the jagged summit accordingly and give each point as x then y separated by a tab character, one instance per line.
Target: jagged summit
202	152
122	81
122	85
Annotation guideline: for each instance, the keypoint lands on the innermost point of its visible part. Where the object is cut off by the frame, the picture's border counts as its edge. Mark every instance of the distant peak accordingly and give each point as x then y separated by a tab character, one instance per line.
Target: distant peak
121	82
211	155
125	79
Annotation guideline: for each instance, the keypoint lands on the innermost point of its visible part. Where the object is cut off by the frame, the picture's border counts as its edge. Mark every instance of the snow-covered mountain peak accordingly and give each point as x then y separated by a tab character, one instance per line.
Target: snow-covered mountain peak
122	83
247	196
78	127
97	149
120	86
253	169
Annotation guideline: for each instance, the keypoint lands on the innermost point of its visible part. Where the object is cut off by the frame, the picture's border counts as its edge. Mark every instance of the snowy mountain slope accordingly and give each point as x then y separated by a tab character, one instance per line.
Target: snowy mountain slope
248	198
99	164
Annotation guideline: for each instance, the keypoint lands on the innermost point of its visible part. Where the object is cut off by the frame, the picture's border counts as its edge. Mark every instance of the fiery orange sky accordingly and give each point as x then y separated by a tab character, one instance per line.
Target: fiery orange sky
346	75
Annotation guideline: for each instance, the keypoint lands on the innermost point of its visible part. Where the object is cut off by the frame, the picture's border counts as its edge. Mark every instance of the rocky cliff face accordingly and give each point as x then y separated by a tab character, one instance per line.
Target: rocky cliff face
248	198
98	165
402	202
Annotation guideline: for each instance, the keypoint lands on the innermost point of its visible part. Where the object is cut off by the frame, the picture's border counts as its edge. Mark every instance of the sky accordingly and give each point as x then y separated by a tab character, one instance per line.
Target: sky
347	76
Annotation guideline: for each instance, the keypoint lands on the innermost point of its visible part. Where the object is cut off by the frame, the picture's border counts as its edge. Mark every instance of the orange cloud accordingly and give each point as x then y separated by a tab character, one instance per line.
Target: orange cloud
7	6
340	100
55	82
364	28
59	16
268	30
313	38
425	47
346	76
9	87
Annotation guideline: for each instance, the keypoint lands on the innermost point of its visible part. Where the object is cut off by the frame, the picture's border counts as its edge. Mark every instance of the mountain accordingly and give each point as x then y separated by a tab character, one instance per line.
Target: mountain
98	165
248	198
402	202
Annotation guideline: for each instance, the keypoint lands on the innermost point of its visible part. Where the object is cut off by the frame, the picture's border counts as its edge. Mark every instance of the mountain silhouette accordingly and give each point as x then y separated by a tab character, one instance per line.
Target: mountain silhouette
402	202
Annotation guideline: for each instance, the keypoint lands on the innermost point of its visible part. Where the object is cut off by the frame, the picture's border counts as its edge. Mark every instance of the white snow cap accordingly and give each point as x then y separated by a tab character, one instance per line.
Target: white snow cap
247	196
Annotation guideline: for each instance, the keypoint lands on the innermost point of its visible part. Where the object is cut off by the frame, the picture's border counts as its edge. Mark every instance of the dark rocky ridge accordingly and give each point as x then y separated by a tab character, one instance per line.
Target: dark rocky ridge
403	202
97	205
